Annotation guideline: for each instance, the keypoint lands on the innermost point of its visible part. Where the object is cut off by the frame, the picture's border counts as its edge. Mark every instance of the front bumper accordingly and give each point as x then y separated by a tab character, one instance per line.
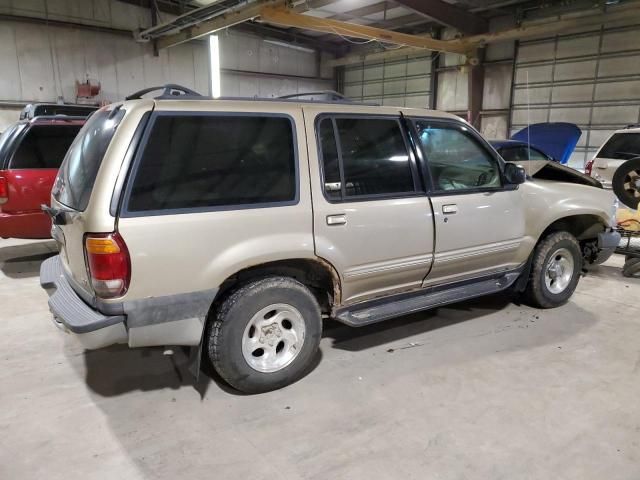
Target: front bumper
607	244
72	314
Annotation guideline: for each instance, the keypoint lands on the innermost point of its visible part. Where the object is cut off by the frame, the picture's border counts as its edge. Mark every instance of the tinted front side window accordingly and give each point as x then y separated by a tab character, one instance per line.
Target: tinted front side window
456	160
621	146
79	170
194	161
44	146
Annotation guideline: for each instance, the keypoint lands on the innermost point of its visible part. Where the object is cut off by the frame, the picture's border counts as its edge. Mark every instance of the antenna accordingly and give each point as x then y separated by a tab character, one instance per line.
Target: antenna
528	126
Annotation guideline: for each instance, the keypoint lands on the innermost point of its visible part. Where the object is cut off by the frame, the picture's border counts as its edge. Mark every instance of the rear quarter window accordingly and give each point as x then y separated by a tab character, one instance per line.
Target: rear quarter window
621	146
215	161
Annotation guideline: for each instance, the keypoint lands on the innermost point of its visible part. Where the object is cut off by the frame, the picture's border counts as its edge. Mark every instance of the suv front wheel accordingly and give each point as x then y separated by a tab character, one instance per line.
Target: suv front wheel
555	271
265	334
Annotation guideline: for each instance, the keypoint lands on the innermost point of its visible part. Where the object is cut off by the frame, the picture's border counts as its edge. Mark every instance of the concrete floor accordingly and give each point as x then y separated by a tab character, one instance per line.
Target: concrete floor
480	390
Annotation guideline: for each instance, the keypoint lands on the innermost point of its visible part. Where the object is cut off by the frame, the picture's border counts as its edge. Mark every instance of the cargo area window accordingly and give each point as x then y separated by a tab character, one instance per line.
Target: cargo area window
621	146
193	161
364	157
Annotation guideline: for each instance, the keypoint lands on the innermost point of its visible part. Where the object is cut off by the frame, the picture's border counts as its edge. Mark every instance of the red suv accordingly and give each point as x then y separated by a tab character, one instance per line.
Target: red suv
31	151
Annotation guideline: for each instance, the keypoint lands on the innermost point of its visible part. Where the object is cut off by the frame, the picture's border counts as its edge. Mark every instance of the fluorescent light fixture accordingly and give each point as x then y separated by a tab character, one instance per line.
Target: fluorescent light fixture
214	65
290	45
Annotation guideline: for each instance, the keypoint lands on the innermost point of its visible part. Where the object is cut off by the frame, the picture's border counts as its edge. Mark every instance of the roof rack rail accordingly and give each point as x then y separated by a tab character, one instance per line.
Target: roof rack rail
332	94
59	116
633	125
169	91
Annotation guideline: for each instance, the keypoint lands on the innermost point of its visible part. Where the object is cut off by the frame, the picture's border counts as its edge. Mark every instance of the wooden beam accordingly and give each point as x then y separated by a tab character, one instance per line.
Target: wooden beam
287	18
243	14
447	14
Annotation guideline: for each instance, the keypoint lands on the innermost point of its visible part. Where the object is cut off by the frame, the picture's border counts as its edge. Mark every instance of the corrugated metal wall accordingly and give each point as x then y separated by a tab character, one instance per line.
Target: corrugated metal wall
591	79
405	82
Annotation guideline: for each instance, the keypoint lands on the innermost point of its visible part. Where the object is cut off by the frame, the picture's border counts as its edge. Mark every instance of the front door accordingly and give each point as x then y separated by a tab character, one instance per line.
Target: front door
372	218
479	221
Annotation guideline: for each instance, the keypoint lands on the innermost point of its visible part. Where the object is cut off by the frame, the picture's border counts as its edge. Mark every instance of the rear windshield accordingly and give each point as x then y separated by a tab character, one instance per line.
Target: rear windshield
621	146
7	143
43	146
80	167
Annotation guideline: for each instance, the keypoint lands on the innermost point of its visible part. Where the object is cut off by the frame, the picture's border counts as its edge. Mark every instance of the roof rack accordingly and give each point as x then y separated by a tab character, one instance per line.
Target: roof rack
33	110
169	91
332	94
633	125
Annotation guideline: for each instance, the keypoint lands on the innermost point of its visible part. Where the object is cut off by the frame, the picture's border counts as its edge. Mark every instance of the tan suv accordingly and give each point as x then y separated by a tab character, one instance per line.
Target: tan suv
236	226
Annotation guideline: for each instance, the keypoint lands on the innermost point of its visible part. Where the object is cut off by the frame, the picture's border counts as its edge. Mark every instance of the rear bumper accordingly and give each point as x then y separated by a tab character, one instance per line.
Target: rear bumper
72	314
607	244
155	321
25	225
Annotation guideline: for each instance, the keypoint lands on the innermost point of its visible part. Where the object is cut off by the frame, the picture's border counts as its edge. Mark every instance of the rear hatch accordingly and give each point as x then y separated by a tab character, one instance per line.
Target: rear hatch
72	193
618	149
32	164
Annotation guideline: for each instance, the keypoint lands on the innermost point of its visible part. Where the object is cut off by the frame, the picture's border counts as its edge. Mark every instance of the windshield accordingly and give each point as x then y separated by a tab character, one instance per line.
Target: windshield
79	169
621	146
6	142
43	146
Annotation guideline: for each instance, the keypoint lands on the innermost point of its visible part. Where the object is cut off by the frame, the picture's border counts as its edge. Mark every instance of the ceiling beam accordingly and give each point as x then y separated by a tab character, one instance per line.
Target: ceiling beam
229	19
288	18
448	14
557	25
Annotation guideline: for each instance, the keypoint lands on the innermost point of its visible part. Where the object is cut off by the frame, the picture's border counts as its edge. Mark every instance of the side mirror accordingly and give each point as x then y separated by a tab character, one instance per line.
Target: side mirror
514	174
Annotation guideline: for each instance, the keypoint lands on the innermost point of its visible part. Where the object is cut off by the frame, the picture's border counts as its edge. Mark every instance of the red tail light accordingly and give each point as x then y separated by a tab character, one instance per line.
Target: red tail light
589	167
4	190
109	264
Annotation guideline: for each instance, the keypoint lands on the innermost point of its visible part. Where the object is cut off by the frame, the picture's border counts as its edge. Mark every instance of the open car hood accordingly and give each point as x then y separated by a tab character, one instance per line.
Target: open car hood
547	170
558	139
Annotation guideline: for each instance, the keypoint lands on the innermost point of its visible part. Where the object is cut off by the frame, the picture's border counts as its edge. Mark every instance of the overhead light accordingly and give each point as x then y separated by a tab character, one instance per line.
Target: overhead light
214	65
290	45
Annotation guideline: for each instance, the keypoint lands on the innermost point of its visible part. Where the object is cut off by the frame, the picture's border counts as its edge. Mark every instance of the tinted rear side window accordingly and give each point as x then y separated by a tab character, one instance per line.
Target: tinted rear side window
7	143
80	167
622	146
200	161
44	146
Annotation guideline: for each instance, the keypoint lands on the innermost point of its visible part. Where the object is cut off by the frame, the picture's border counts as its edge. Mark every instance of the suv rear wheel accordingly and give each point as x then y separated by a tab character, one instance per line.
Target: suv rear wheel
265	334
557	262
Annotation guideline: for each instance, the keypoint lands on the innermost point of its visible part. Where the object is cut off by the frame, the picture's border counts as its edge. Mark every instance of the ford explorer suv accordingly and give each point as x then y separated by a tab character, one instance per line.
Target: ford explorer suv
617	165
235	226
31	151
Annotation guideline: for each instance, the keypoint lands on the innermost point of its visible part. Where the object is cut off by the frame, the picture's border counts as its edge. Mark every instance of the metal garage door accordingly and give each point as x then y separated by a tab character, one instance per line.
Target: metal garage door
405	82
591	79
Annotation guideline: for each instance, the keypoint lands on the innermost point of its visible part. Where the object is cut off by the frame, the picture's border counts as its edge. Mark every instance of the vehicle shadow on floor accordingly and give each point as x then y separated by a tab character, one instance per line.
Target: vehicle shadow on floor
22	261
119	369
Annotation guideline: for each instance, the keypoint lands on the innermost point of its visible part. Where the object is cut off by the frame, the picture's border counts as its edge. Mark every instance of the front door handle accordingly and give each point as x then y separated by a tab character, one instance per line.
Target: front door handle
449	209
339	219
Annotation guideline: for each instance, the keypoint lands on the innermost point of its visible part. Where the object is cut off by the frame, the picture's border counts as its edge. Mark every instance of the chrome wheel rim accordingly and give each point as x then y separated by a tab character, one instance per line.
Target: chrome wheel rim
559	271
273	338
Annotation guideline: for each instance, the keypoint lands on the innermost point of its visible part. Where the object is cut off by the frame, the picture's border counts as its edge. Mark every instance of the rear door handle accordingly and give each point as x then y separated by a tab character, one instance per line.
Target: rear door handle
449	209
339	219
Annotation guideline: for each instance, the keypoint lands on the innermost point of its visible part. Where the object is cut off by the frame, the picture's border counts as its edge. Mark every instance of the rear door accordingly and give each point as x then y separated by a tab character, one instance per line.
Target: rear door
372	219
74	185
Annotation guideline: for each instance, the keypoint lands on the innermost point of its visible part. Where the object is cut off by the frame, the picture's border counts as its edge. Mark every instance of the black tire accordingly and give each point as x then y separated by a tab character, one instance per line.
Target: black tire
229	327
623	185
631	268
537	293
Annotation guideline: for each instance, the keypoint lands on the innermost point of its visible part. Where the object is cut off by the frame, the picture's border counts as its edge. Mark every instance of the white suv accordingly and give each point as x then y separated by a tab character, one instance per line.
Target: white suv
621	148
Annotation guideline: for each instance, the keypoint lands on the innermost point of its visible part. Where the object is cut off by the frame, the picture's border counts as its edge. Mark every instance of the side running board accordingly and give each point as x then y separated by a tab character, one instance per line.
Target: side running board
373	312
